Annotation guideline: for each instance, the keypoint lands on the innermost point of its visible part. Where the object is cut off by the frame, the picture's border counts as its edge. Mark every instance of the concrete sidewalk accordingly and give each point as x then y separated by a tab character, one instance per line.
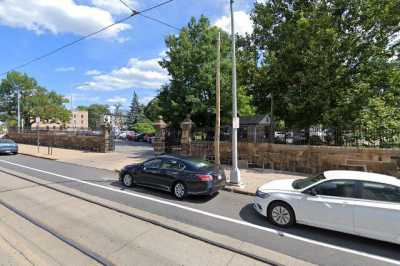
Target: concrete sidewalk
114	161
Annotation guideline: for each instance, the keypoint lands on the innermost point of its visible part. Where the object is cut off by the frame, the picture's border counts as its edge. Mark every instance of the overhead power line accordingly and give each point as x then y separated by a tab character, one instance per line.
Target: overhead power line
149	17
41	57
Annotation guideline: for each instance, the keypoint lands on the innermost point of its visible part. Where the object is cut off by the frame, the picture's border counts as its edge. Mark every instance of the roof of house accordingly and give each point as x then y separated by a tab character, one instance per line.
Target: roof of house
254	120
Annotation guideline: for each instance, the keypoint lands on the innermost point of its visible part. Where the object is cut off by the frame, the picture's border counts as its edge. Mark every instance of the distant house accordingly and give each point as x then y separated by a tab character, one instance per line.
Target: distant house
79	121
254	128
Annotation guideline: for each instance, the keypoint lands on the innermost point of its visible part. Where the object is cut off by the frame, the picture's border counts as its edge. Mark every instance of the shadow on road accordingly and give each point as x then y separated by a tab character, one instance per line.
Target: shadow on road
361	244
163	194
134	149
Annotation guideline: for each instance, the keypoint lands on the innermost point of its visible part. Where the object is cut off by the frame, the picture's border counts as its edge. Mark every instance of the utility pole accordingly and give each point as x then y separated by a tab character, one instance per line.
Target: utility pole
235	173
272	133
15	86
218	104
19	108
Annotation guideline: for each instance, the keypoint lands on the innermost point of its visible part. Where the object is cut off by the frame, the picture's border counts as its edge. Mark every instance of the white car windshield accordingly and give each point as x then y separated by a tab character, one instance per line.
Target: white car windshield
303	183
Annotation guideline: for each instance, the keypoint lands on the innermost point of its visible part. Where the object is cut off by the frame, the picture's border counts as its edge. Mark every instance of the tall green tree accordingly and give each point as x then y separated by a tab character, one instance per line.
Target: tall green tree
153	110
191	64
35	101
96	114
324	60
135	114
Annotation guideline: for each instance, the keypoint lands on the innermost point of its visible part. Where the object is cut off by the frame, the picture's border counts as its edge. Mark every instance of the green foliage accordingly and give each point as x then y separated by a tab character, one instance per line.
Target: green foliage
191	64
135	114
324	60
36	101
144	127
96	114
153	110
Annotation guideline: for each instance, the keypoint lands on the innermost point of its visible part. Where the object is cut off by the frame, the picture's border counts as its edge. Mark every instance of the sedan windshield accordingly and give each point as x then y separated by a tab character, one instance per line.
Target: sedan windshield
303	183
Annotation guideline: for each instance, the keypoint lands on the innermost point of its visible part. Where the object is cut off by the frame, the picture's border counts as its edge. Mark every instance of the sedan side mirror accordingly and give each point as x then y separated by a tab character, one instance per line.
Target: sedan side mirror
311	192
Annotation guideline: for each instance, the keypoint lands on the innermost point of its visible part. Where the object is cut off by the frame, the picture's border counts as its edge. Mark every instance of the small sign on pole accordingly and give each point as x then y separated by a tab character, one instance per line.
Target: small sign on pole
235	122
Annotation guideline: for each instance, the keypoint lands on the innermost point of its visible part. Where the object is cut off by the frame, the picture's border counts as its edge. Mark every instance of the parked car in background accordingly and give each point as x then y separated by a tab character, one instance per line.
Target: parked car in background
130	135
140	137
8	146
122	135
181	176
360	203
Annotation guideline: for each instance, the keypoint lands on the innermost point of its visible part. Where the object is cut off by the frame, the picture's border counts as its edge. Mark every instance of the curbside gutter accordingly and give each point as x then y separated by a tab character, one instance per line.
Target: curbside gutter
38	156
239	191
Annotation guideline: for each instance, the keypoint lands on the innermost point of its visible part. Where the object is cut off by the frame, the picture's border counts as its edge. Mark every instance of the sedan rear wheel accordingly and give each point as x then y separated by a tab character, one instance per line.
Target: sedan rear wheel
179	190
281	214
128	180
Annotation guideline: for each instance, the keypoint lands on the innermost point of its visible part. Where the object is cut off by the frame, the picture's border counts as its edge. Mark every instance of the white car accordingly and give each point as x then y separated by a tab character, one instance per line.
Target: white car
360	203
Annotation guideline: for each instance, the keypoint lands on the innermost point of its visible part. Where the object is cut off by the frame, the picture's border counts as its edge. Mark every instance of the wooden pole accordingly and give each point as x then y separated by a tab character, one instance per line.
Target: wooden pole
218	104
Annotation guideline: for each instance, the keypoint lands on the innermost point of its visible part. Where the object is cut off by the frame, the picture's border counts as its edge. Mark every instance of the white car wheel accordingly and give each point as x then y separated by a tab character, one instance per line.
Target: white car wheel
281	214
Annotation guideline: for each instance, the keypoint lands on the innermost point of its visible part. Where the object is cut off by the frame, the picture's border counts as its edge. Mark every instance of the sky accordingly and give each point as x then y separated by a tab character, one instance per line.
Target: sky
107	68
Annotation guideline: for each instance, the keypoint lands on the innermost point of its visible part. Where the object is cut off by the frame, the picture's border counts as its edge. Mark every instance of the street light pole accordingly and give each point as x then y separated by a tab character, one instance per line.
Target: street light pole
19	109
235	173
18	105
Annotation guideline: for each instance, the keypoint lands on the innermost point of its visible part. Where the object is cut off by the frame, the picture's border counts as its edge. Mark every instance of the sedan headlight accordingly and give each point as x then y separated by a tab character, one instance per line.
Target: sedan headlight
261	194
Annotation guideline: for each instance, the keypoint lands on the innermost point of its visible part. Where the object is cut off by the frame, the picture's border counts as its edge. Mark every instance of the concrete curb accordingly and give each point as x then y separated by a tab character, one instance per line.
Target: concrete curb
239	191
38	156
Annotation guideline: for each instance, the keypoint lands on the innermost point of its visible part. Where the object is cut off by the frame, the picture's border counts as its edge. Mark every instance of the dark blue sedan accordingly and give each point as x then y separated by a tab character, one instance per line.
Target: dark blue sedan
181	176
8	146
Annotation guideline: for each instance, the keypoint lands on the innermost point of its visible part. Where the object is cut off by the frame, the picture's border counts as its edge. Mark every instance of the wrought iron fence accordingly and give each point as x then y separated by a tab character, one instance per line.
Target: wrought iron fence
357	137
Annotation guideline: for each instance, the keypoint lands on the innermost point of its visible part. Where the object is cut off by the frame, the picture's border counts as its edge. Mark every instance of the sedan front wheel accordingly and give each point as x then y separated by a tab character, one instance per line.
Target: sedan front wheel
281	214
128	180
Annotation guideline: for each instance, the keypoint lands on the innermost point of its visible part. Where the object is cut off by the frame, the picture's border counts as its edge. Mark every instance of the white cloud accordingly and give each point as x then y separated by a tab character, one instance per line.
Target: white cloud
243	23
61	16
92	72
144	74
117	99
65	69
115	6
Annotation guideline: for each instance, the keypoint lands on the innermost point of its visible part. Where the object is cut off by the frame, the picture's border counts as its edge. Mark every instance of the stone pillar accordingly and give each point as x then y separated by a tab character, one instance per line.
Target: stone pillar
106	130
186	137
159	140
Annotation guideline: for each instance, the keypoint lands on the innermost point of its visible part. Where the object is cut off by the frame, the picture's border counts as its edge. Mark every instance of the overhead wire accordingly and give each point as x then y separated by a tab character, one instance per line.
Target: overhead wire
149	17
41	57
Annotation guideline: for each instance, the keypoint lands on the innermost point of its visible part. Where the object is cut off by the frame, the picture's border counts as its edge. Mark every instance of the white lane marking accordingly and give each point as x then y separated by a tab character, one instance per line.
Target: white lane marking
216	216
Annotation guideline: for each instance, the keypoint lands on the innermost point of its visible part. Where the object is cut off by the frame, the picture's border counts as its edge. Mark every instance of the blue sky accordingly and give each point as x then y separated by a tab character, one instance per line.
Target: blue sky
107	68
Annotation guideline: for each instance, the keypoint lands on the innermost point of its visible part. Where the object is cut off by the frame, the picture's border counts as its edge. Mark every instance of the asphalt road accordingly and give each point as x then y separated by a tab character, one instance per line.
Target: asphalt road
226	213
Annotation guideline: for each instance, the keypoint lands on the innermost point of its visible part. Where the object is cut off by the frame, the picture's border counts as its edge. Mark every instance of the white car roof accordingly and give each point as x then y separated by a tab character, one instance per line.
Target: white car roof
362	176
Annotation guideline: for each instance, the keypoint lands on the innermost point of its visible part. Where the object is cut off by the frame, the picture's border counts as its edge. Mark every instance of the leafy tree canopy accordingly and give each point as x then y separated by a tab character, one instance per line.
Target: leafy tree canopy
35	101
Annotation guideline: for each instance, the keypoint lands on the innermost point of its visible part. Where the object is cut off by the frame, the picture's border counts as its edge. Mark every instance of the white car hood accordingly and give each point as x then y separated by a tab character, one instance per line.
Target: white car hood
284	184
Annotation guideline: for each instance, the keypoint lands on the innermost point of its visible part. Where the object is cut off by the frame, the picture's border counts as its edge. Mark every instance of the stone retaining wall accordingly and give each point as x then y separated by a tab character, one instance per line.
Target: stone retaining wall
305	159
67	140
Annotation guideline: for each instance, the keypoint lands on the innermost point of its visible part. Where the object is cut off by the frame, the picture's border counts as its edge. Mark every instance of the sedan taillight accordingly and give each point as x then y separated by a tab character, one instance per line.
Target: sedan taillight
204	177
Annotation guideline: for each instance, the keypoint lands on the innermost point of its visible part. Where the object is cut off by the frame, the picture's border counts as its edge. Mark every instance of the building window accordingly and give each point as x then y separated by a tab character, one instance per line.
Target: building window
82	116
74	115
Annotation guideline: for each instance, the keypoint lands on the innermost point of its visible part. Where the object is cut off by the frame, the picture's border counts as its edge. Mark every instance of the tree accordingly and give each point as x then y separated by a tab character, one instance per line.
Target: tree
35	101
153	109
191	62
96	114
323	60
146	126
135	114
